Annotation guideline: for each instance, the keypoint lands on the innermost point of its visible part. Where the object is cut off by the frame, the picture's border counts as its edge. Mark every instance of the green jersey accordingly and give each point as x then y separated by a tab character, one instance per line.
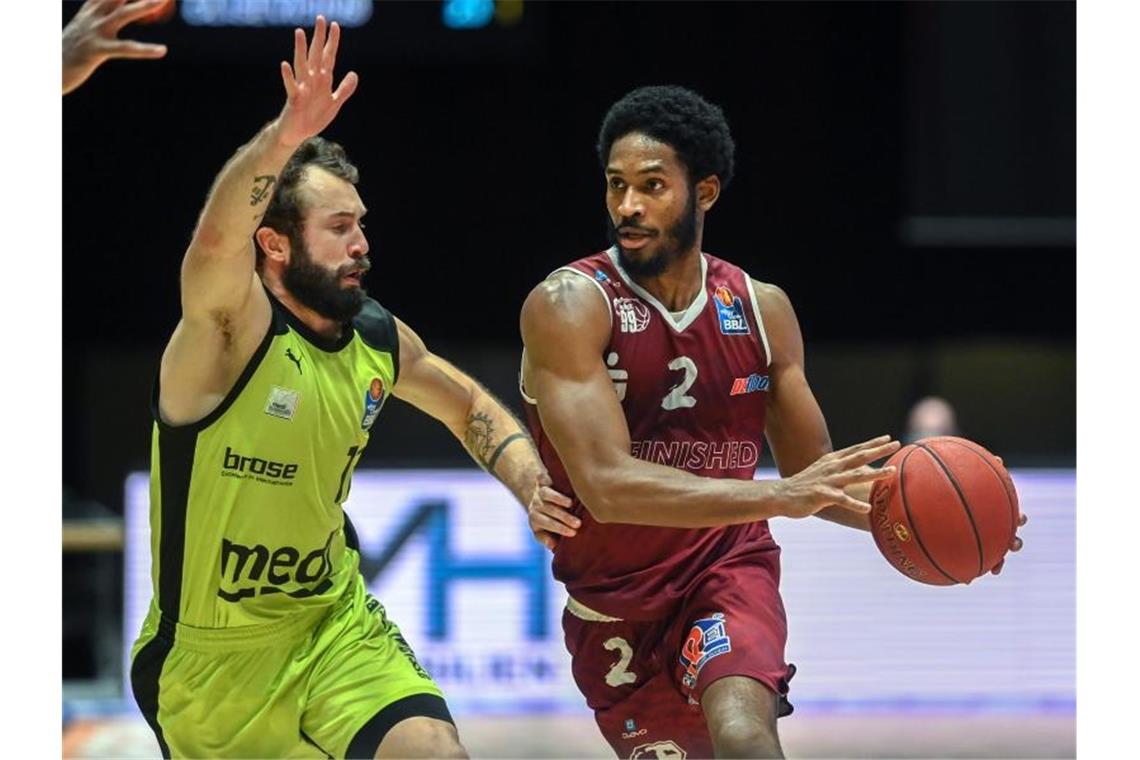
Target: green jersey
245	505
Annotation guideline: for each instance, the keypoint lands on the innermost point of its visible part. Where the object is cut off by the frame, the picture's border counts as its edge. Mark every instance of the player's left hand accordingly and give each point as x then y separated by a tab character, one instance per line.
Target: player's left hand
547	514
91	37
1014	545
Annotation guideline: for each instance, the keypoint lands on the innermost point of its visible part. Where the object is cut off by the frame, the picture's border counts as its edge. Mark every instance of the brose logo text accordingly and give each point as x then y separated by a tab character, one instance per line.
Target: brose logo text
235	465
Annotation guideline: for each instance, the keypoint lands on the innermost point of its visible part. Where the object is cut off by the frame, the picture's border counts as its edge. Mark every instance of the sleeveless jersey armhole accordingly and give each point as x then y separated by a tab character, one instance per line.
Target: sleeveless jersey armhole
596	284
759	319
609	311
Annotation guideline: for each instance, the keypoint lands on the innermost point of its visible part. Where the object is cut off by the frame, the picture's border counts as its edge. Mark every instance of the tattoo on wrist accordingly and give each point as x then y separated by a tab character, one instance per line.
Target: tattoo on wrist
480	436
261	186
498	451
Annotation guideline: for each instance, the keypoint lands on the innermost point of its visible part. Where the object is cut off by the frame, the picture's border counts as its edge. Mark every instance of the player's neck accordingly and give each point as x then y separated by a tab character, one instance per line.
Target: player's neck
321	325
679	284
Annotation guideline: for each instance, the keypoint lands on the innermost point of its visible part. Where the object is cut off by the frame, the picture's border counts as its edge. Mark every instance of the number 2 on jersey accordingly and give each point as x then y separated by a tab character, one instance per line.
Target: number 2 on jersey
677	398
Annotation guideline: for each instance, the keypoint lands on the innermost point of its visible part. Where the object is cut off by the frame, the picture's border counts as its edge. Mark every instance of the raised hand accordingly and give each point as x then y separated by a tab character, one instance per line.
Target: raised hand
311	102
821	483
90	38
547	515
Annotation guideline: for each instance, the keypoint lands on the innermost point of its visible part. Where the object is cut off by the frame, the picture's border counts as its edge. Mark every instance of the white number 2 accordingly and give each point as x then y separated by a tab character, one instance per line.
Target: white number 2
677	398
619	673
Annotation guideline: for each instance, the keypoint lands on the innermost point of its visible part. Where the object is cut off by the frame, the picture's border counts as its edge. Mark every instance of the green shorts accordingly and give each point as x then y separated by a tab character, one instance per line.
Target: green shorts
325	683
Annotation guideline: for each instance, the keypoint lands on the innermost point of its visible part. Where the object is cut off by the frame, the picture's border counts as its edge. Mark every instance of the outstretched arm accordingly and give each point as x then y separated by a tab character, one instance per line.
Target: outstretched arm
224	310
565	328
493	436
90	38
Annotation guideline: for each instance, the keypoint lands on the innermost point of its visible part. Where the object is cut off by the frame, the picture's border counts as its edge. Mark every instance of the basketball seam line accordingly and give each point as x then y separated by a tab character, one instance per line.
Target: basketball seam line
910	519
1005	488
962	499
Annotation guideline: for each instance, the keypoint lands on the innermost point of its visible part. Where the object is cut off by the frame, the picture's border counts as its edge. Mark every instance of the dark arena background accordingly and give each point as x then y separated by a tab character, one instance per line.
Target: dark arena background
906	172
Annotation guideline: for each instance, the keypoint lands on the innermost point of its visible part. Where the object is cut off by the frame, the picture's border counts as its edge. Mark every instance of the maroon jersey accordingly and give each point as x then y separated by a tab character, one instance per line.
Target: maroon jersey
693	387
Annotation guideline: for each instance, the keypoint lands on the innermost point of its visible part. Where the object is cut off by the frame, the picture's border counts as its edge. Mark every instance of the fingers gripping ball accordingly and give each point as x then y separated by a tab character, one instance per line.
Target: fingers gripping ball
950	513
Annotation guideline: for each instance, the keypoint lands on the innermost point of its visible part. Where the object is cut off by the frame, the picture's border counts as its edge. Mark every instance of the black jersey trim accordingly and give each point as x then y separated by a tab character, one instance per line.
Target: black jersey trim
377	328
176	449
277	327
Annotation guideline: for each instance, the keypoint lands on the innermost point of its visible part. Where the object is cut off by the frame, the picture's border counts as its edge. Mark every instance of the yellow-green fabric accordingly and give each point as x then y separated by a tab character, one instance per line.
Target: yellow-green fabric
245	506
261	640
299	687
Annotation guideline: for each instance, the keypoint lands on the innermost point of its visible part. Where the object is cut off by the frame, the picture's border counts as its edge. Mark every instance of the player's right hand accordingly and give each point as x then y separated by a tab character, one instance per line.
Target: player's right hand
549	515
312	103
821	483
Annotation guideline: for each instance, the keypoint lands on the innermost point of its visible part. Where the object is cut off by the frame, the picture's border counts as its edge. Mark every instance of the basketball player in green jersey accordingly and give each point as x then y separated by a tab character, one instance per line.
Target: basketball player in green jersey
261	639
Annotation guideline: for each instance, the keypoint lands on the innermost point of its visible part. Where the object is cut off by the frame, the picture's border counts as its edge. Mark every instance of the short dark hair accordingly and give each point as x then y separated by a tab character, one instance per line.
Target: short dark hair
286	209
693	127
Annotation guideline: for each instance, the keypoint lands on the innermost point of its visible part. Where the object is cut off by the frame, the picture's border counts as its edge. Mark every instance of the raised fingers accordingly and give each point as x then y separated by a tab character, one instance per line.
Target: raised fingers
300	63
346	88
287	78
318	45
133	49
328	56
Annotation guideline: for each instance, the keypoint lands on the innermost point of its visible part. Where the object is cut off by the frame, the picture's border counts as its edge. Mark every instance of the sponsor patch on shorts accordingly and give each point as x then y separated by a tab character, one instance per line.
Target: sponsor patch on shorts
707	639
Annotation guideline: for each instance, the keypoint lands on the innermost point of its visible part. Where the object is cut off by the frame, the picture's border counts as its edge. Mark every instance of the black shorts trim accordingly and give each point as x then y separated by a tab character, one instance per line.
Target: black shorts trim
145	671
368	738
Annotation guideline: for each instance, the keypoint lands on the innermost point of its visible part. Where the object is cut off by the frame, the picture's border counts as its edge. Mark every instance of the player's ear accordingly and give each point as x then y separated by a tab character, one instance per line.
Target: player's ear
273	243
708	190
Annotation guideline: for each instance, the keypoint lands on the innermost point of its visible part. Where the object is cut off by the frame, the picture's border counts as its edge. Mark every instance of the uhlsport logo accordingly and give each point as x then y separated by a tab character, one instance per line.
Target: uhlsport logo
707	639
634	315
235	465
244	567
750	384
666	750
730	312
373	400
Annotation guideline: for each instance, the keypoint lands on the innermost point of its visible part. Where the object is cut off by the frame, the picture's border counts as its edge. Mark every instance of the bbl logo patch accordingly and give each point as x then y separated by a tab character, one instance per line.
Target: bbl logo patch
707	639
600	276
373	400
730	312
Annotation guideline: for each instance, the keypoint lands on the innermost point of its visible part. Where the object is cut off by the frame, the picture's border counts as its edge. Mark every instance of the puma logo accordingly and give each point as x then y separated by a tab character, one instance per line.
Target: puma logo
296	360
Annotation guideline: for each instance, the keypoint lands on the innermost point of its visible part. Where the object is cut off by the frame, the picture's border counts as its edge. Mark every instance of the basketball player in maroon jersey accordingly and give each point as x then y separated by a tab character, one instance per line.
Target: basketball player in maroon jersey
675	623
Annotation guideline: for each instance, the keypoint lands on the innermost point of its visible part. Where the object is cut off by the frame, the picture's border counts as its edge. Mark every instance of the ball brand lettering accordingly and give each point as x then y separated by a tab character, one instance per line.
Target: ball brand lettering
245	566
237	463
891	540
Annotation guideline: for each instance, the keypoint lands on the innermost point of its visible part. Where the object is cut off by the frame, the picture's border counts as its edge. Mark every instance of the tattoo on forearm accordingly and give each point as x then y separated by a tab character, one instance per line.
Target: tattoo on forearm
261	186
479	438
498	451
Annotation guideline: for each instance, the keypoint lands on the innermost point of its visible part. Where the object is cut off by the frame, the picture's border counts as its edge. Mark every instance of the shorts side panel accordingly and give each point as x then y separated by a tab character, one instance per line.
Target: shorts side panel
362	665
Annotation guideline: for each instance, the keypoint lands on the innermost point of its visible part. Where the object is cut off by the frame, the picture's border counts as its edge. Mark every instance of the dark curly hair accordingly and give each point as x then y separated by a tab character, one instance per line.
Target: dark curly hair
693	127
286	208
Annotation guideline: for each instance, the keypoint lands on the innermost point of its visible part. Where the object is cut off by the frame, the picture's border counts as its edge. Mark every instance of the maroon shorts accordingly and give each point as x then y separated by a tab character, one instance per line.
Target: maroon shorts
644	680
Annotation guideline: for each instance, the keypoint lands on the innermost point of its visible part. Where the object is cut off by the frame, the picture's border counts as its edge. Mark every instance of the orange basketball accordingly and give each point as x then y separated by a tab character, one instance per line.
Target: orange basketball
949	514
